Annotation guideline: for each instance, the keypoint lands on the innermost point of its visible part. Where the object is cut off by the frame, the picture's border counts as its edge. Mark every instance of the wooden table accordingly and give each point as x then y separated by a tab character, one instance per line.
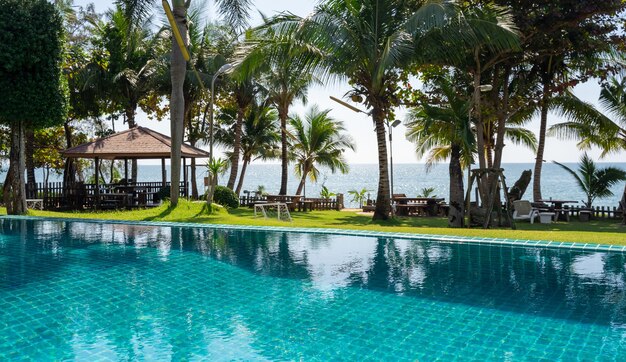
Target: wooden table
558	206
429	204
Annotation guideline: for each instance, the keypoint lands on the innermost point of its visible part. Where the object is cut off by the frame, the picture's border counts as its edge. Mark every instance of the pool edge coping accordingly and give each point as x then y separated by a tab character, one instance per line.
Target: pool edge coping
547	244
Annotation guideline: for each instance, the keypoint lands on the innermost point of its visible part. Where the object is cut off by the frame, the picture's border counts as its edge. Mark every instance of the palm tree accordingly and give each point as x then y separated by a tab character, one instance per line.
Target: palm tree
359	196
590	126
368	42
593	181
274	56
444	130
129	65
259	136
318	140
236	14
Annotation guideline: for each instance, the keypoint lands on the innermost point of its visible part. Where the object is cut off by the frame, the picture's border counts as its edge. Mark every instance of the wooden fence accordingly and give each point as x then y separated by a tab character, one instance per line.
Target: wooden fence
304	204
81	196
604	212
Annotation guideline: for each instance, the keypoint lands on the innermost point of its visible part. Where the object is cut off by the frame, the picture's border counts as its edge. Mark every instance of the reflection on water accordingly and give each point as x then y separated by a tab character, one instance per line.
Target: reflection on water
254	295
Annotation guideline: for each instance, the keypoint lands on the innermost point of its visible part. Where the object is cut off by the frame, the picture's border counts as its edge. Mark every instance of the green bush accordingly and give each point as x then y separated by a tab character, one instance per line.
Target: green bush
225	197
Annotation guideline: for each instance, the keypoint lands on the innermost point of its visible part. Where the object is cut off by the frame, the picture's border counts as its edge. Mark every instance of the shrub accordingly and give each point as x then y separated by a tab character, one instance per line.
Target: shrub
225	197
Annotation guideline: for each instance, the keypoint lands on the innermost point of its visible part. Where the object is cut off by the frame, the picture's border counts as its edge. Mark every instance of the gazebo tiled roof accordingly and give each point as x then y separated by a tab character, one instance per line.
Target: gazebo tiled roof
135	143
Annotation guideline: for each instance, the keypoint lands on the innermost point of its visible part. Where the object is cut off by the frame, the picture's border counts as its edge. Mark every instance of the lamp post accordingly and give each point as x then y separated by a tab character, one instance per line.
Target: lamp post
482	88
391	126
223	69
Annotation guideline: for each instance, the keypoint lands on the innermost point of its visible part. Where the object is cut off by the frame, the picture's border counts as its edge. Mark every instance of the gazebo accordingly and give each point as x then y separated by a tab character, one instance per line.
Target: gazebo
138	143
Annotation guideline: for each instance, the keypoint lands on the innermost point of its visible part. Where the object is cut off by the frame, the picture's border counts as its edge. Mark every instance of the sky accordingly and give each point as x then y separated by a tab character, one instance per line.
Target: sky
359	125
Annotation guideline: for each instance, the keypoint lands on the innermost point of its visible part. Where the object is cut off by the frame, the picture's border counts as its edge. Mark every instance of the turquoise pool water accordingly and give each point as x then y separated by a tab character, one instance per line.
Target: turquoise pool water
91	291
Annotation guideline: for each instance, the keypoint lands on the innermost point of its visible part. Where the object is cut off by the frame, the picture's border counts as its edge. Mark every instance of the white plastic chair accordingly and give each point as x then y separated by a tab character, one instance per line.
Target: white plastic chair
524	211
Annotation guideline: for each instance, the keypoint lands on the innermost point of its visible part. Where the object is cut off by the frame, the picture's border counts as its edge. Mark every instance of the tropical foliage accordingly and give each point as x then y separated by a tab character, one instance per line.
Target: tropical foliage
318	140
595	182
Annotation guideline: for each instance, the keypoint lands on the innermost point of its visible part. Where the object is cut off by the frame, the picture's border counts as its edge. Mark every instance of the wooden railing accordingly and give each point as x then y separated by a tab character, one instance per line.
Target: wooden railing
303	204
81	196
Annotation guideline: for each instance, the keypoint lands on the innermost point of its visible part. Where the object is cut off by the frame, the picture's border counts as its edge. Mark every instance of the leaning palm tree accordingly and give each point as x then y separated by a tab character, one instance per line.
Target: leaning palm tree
235	12
593	181
369	42
318	140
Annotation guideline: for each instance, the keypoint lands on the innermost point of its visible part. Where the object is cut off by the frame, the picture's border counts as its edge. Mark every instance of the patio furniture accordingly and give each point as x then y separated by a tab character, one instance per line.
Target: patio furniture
584	215
524	211
428	206
562	211
546	217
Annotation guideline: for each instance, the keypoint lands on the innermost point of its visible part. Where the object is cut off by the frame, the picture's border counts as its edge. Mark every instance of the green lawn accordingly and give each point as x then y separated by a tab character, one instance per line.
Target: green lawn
601	231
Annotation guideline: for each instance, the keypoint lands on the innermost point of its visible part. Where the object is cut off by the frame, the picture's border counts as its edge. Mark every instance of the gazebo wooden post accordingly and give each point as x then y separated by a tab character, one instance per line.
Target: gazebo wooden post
97	178
126	170
185	176
163	172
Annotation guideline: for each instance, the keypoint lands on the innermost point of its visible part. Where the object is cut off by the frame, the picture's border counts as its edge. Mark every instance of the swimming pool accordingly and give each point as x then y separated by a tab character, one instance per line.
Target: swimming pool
98	291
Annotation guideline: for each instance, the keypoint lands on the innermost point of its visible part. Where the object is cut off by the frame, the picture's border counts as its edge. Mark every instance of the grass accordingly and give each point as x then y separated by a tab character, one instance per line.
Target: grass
599	231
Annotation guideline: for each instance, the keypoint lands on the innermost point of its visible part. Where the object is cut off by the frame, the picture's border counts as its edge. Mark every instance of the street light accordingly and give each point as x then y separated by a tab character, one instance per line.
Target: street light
223	69
482	88
391	126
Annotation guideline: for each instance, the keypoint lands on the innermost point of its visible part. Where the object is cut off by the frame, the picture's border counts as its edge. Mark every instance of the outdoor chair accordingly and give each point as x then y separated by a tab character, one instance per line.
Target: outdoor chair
524	211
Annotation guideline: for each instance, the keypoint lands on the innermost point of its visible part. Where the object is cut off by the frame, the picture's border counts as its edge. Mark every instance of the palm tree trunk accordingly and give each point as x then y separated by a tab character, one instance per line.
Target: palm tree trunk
178	70
302	180
14	191
246	161
541	145
234	158
284	157
457	203
69	172
383	201
130	119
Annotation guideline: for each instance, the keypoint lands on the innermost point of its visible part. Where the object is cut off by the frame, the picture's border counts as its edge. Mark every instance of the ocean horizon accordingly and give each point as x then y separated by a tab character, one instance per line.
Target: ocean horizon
409	179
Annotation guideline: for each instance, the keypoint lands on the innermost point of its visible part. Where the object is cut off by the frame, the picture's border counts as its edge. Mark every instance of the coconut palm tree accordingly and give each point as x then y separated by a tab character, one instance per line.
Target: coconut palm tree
236	13
590	126
593	181
259	137
368	42
318	140
129	66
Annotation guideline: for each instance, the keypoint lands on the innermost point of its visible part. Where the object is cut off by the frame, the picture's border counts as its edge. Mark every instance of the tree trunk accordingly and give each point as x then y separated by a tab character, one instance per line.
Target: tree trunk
30	162
302	181
178	70
519	188
480	135
14	192
457	202
234	158
130	119
542	144
246	161
284	157
194	183
69	172
383	201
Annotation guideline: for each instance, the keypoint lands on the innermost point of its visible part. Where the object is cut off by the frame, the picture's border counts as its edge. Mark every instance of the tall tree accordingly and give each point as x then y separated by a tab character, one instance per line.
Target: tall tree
236	13
561	41
260	136
31	91
318	140
369	43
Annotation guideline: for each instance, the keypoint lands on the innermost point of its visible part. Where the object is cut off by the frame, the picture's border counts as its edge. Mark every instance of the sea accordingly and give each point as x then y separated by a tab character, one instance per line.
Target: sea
408	179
